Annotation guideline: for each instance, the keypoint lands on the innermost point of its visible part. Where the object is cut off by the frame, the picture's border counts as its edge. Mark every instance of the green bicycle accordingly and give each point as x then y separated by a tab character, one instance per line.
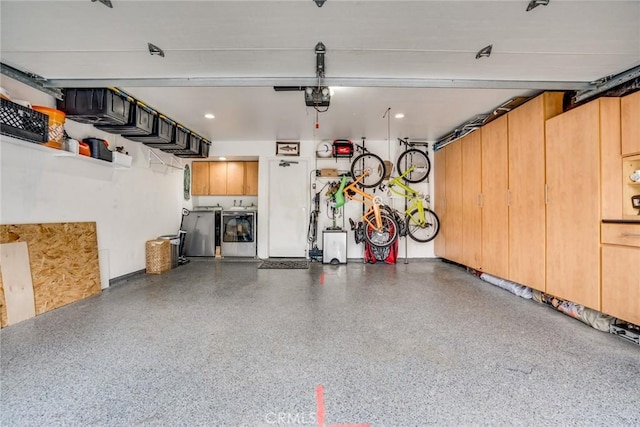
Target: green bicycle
422	223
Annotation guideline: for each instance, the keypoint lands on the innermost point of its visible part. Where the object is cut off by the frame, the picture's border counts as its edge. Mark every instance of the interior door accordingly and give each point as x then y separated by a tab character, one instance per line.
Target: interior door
288	208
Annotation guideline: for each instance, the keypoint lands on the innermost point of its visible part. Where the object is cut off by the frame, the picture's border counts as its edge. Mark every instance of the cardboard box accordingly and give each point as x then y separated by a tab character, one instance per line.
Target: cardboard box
329	172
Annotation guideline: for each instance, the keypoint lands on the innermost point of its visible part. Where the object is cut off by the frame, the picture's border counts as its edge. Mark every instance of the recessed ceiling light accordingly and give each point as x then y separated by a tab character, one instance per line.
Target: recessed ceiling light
209	116
222	158
399	116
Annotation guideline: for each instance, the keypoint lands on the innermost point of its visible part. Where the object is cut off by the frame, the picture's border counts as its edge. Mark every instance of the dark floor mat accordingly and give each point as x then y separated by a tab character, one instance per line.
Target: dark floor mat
271	264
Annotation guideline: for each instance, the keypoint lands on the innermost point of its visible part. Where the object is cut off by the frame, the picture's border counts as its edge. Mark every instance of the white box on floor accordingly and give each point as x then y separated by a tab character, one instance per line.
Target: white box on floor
334	247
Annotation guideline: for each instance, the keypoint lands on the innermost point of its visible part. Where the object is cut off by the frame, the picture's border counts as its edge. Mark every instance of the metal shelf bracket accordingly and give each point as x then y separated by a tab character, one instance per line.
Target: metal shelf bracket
154	159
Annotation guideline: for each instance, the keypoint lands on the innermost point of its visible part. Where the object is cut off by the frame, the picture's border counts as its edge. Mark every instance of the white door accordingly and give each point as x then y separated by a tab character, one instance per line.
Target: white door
288	208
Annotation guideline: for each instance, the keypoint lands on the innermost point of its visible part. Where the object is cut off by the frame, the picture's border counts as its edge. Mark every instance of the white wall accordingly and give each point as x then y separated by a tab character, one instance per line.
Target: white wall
130	206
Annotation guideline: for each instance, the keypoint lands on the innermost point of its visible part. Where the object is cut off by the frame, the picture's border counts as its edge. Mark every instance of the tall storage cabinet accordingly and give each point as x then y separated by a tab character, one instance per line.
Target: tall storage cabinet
440	202
578	141
452	227
495	212
526	130
471	147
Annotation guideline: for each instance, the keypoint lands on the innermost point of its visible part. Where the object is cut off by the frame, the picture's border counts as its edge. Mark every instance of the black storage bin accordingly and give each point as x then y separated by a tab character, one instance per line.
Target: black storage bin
140	123
99	150
198	148
22	122
162	133
180	140
95	106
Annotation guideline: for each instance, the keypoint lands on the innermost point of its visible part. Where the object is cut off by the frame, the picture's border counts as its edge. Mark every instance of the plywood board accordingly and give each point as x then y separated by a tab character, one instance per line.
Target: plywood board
63	259
16	277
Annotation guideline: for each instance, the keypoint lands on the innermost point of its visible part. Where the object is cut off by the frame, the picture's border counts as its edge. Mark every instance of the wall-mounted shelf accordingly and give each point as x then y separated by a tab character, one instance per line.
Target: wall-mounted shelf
629	188
54	152
35	146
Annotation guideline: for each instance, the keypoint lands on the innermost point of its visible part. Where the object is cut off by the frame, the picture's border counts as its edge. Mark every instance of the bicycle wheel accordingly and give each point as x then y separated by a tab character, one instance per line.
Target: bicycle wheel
420	162
368	161
422	232
383	237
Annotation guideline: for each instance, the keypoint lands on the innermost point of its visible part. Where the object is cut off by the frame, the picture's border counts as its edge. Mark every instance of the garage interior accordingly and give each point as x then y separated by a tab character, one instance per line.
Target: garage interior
117	310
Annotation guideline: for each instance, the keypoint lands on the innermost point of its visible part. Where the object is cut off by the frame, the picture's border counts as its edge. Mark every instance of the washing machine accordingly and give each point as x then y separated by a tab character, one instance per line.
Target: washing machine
239	234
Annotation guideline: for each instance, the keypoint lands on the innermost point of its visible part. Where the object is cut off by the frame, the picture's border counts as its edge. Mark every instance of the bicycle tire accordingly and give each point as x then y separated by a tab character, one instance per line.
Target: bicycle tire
385	237
426	232
368	161
417	158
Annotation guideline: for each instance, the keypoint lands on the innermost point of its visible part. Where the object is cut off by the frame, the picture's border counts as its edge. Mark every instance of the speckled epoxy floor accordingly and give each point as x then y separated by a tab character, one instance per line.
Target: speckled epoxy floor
220	343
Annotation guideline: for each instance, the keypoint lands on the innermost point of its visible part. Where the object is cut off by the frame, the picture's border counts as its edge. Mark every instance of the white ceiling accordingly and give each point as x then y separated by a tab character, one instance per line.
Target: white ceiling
243	43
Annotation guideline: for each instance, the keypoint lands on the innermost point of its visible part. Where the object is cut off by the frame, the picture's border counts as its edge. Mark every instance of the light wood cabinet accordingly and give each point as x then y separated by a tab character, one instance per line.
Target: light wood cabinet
225	178
621	271
573	205
495	183
440	202
217	178
630	113
251	178
235	178
452	227
471	151
526	129
200	178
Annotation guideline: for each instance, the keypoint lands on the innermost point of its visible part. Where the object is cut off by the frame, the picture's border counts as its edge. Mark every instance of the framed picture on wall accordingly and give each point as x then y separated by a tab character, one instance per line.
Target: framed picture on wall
287	148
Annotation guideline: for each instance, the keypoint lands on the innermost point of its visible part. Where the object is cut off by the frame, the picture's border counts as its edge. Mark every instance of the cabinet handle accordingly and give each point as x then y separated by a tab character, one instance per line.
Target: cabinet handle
546	194
630	235
480	200
508	197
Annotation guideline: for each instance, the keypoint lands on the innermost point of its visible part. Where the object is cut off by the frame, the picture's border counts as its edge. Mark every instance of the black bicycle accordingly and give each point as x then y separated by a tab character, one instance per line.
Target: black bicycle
370	165
416	158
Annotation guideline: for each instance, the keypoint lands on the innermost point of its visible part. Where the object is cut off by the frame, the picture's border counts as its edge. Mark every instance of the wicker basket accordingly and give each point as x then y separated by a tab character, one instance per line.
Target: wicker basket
158	254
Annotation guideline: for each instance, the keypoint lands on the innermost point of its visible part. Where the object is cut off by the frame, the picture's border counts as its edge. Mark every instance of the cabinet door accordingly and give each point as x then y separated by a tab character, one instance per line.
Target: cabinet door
526	189
471	146
200	178
631	124
251	178
621	282
453	190
235	178
573	205
217	178
495	183
440	203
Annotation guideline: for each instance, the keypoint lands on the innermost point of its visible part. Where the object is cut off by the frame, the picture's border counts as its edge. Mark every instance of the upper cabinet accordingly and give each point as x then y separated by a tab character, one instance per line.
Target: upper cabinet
630	110
225	178
200	178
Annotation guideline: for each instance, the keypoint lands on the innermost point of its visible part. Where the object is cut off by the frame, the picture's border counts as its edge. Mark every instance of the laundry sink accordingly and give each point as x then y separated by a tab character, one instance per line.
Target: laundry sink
242	208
